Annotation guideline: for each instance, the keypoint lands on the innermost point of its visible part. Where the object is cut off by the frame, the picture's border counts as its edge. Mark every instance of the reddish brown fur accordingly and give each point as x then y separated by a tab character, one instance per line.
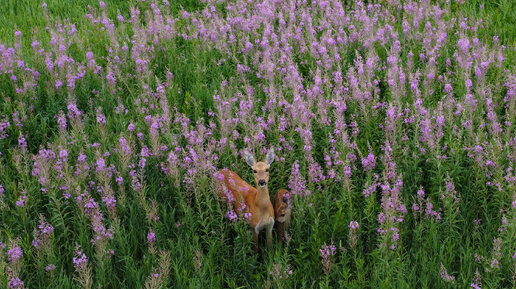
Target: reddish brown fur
239	188
282	211
257	202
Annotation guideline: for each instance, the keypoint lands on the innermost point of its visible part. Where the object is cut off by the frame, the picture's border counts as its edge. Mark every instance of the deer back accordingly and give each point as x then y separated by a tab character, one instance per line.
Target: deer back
240	189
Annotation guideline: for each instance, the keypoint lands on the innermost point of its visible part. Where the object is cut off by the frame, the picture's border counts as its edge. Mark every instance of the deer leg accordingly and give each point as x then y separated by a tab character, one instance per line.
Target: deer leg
269	233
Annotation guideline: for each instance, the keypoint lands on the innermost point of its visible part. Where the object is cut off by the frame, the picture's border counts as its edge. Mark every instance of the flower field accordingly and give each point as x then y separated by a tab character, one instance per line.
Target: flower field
393	125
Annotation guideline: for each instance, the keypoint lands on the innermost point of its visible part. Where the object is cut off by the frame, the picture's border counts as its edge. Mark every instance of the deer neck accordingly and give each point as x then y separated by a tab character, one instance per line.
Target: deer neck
262	197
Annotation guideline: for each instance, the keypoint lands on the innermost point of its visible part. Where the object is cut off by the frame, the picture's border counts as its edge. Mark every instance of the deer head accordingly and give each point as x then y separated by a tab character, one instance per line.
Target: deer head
260	169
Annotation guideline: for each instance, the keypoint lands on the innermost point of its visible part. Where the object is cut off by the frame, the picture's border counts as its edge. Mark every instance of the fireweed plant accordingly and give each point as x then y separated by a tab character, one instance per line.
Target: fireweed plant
393	125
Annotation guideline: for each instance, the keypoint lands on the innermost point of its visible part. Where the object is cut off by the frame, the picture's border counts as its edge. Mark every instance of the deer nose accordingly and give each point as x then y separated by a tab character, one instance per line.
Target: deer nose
261	182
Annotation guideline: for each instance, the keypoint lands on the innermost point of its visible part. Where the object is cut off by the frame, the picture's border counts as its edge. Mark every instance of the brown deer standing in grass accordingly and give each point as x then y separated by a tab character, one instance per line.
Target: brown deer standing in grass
255	201
283	212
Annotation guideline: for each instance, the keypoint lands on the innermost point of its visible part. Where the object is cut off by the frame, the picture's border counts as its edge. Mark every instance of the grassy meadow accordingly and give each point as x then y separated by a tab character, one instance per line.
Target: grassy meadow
393	124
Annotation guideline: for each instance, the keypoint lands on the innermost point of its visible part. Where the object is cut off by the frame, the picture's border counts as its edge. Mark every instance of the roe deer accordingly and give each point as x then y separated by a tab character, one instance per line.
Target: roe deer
255	201
283	212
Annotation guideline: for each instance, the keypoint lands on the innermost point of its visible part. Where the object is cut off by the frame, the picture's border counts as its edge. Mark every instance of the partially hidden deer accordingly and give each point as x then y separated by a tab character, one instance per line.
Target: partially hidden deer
255	202
283	212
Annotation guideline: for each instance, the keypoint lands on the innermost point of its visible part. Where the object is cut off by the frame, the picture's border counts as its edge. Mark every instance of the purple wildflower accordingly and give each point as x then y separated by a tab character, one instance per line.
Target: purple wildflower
16	283
353	225
297	183
369	162
14	253
80	261
445	276
151	237
327	252
22	200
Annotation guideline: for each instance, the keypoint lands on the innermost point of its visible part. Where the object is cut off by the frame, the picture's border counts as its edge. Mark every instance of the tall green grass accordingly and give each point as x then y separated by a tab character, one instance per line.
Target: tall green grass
206	250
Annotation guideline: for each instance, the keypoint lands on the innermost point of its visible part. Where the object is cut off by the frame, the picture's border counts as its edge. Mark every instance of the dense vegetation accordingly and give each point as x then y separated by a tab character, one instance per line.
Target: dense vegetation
392	122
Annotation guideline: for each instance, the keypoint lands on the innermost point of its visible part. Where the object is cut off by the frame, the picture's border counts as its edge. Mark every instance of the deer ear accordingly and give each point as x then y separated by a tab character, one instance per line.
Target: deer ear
270	157
249	158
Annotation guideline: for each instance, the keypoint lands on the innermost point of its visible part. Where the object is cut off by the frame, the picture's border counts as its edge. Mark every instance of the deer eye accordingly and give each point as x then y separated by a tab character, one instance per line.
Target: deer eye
266	170
255	171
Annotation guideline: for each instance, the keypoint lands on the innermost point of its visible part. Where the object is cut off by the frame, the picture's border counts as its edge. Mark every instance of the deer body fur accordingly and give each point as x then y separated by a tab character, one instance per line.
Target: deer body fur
283	212
251	200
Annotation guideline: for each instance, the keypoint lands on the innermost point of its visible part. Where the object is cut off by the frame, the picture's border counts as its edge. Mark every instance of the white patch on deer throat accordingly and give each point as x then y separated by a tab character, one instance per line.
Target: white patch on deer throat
259	227
271	223
263	224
